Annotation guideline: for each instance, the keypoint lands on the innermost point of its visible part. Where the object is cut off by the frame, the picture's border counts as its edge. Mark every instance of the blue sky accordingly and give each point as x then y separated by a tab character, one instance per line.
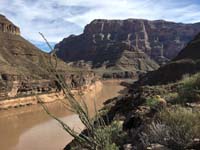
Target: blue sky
57	19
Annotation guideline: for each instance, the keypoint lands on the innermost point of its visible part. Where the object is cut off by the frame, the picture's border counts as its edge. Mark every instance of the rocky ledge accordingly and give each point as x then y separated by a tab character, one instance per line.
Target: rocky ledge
26	100
7	26
17	86
158	112
123	44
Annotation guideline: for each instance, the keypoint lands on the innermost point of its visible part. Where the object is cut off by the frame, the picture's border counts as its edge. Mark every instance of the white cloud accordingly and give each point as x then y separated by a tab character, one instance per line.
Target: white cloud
60	18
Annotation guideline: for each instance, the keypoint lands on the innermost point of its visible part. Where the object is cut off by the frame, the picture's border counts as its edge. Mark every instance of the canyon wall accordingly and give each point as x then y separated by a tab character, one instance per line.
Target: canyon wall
134	45
26	71
186	63
7	26
12	86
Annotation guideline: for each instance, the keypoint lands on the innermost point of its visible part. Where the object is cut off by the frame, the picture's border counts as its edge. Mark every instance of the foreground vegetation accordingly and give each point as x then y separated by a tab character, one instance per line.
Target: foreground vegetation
98	134
164	116
176	128
177	125
148	117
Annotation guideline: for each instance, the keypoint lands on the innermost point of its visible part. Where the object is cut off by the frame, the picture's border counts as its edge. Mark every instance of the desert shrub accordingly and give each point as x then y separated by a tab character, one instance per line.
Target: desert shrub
98	135
174	98
110	135
107	137
152	102
175	128
156	102
171	97
189	90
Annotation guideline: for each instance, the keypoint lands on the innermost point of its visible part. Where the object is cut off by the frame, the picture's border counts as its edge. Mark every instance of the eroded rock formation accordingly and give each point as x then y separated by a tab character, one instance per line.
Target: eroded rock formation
7	26
102	40
12	86
25	70
186	62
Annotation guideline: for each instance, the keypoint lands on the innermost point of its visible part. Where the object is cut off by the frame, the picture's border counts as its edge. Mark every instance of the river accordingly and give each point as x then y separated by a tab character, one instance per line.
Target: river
30	128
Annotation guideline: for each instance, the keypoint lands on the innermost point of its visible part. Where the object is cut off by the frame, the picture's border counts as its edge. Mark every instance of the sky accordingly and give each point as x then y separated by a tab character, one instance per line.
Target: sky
58	19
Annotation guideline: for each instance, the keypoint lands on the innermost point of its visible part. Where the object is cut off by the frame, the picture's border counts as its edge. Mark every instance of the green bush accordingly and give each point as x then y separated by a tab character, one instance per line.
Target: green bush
171	97
152	102
175	128
189	90
109	136
106	137
99	135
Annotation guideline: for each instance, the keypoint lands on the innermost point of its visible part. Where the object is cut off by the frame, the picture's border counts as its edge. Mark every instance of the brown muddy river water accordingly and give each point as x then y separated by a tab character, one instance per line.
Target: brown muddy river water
30	128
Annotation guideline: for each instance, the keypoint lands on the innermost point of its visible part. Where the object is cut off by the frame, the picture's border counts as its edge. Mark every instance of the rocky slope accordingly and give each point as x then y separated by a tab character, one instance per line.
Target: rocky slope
25	69
102	43
191	51
155	113
17	55
186	62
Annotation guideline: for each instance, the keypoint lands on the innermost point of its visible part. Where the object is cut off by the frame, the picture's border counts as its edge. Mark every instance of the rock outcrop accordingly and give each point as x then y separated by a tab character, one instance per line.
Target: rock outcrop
186	62
150	105
7	26
25	70
102	43
191	51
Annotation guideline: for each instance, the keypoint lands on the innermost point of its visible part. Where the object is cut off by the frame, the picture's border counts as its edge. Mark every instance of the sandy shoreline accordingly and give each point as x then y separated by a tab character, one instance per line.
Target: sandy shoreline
46	98
21	127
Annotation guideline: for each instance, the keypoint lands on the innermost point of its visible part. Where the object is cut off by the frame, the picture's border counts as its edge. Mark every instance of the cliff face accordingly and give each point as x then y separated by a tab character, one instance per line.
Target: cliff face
13	86
17	55
159	40
24	69
191	51
139	109
186	62
7	26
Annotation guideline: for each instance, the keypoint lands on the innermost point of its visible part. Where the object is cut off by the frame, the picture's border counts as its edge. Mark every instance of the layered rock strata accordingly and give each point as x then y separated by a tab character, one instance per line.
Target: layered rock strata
126	45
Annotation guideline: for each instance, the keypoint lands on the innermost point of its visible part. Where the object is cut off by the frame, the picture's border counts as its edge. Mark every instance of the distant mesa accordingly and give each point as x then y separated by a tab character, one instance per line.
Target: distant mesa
7	26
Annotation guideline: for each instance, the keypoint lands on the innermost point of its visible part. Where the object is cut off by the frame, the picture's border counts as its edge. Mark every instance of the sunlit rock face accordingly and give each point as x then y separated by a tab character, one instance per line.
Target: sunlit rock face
7	26
159	40
25	70
22	65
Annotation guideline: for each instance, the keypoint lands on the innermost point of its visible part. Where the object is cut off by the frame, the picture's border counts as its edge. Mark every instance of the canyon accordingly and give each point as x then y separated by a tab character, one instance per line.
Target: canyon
160	54
186	62
132	46
31	128
159	110
26	74
26	71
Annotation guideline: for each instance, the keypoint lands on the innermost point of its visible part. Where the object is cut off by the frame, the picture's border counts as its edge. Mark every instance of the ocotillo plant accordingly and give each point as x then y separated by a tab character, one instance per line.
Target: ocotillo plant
98	136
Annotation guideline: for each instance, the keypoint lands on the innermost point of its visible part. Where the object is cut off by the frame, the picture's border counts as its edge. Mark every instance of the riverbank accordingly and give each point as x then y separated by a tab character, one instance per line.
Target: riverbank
46	98
20	128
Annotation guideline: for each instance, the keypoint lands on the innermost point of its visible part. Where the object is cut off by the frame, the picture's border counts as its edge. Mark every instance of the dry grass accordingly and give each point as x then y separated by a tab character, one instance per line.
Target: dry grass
175	128
189	90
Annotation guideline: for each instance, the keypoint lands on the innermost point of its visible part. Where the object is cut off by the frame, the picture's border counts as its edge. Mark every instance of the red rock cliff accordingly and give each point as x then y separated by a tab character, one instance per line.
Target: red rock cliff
160	40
